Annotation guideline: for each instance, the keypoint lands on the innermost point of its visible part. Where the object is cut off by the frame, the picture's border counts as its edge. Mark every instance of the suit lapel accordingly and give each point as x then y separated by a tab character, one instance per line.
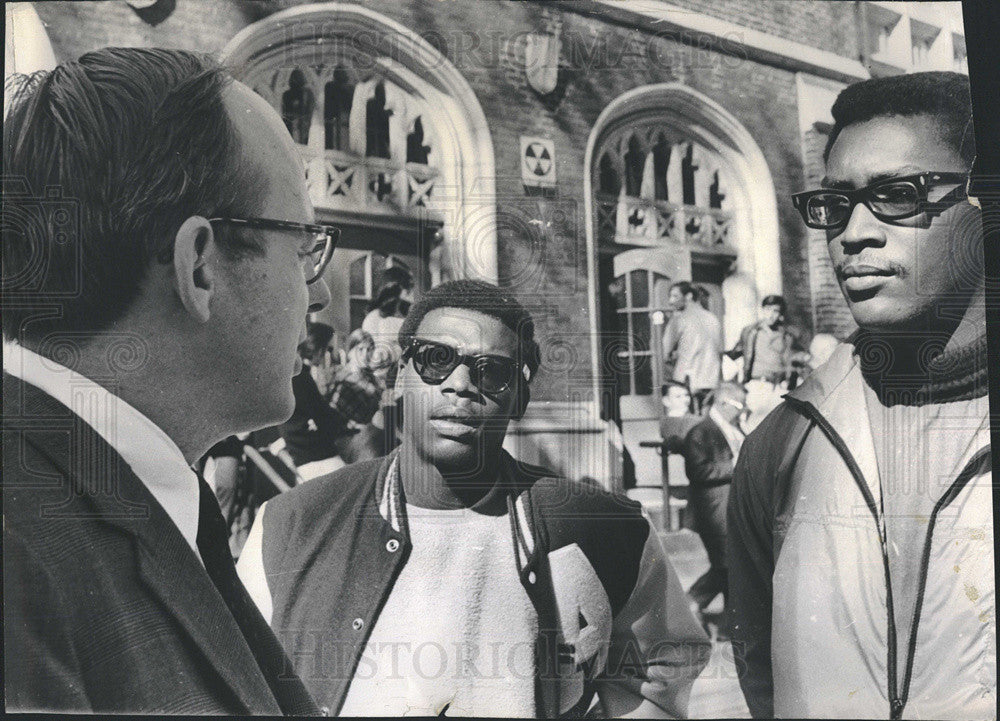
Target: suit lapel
107	488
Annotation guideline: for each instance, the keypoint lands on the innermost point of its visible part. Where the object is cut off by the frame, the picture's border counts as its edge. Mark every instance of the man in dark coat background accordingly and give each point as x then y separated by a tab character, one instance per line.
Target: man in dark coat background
710	451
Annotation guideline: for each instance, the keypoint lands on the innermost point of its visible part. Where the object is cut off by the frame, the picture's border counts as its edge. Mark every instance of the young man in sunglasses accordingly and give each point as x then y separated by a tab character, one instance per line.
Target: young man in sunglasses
860	516
448	577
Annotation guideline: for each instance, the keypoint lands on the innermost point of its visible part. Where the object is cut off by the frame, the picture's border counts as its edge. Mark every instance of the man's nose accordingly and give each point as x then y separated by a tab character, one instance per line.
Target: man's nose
460	381
862	228
319	295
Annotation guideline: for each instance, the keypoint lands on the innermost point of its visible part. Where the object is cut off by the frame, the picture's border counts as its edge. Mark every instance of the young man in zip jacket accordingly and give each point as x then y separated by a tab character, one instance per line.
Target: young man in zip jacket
448	577
860	519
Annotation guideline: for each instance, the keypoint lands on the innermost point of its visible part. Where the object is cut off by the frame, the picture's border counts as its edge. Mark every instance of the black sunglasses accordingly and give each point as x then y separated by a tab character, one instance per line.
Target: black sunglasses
888	200
434	362
324	241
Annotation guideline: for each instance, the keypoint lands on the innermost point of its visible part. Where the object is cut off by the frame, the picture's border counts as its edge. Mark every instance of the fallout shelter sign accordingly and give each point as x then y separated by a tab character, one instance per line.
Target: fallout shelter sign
538	162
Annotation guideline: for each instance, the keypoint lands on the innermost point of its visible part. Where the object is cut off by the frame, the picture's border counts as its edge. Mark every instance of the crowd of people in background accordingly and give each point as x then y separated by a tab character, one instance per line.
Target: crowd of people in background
706	418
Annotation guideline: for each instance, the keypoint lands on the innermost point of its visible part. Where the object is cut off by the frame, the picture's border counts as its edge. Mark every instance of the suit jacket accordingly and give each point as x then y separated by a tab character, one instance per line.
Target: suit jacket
106	606
708	460
303	444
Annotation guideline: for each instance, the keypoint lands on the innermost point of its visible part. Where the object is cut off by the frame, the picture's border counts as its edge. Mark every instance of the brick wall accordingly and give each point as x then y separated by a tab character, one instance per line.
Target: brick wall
830	309
75	27
828	26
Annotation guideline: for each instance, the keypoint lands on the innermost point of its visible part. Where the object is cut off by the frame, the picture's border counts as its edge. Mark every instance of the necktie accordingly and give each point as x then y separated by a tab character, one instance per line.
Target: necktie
213	545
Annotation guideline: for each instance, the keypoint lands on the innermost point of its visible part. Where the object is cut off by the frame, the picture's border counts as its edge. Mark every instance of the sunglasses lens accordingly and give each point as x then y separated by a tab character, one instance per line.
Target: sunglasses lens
434	362
827	210
493	375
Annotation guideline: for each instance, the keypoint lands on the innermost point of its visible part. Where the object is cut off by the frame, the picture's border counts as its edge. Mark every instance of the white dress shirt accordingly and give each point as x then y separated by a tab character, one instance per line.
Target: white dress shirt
149	452
734	436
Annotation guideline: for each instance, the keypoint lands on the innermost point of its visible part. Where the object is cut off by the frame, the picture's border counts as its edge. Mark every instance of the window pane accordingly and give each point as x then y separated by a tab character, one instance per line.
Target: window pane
643	375
359	309
640	331
297	103
338	97
640	288
358	269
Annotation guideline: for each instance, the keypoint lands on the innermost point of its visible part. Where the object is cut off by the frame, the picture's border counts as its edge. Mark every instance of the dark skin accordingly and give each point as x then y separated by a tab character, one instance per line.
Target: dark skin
453	432
914	281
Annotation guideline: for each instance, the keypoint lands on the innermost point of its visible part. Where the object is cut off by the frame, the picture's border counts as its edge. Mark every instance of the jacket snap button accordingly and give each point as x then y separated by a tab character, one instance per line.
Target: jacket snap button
325	710
392	546
357	624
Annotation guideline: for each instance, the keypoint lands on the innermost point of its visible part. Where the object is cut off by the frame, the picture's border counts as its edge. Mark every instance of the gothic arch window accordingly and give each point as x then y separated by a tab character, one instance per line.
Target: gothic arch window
377	154
297	104
338	96
377	124
675	189
379	127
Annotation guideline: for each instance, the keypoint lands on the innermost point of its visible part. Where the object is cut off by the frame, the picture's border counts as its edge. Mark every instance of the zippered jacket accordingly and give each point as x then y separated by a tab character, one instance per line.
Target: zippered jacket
811	598
613	620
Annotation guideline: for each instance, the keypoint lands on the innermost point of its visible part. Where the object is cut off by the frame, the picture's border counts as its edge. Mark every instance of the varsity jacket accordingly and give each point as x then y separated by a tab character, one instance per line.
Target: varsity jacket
613	620
811	599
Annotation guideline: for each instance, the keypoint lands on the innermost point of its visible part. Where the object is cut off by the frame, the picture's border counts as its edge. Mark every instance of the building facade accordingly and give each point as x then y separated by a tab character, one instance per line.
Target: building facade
586	154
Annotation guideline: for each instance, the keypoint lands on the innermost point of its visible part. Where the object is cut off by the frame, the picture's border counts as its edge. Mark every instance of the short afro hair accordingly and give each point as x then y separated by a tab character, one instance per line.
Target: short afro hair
484	298
944	95
774	300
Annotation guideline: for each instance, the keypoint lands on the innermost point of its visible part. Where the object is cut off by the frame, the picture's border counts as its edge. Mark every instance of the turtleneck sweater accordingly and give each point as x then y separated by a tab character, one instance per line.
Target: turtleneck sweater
925	407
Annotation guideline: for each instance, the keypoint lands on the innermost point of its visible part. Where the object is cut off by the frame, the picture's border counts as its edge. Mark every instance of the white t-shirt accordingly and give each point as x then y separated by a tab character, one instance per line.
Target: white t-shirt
457	630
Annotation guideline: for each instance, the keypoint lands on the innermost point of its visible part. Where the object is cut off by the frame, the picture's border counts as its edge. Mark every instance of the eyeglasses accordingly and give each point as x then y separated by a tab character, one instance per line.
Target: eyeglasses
324	239
434	362
888	200
735	404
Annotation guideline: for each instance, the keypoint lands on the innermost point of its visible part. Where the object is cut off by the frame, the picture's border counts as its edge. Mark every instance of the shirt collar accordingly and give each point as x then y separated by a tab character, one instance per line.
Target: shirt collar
734	436
145	447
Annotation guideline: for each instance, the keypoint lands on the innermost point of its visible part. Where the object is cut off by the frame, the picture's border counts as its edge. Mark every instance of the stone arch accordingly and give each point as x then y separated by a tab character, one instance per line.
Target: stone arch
756	213
468	192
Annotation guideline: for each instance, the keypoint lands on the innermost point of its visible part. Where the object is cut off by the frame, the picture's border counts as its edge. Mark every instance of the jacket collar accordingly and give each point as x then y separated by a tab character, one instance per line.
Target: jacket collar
111	493
836	390
391	498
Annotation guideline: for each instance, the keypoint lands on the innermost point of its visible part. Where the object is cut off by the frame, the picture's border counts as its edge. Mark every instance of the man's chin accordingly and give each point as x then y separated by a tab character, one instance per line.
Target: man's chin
455	455
878	314
276	413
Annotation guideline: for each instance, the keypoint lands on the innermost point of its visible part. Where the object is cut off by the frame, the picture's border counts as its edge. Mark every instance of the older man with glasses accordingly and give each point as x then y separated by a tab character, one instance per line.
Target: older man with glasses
710	451
860	519
448	578
160	258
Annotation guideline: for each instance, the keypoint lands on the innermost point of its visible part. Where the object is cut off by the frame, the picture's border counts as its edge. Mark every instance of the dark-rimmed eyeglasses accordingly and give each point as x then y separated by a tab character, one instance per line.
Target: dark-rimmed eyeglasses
323	241
434	362
888	200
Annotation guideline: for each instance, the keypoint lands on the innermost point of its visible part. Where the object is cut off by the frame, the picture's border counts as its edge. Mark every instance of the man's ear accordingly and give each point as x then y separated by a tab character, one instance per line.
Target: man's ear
194	245
395	393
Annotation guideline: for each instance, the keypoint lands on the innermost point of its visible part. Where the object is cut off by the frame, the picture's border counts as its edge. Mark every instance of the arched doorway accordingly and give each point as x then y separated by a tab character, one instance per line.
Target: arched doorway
395	144
676	189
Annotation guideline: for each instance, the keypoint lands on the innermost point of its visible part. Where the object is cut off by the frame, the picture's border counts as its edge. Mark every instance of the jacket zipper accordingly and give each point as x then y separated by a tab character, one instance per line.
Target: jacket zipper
896	703
897	700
